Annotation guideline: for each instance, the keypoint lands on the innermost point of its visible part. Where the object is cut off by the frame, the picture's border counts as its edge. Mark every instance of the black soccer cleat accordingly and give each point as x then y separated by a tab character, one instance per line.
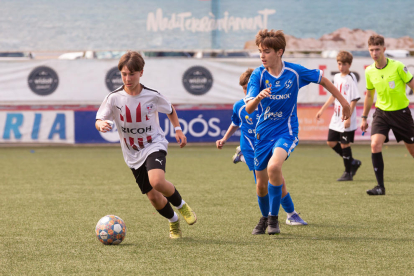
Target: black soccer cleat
273	225
377	190
346	176
260	227
355	166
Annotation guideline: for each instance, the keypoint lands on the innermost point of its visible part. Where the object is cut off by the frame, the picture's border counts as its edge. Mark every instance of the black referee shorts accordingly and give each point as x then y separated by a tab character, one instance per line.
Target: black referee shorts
400	122
155	160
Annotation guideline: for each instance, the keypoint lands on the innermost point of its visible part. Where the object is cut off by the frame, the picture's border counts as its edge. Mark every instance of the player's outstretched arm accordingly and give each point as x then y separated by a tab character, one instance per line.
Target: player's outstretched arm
179	135
369	99
346	109
230	131
252	104
102	126
324	107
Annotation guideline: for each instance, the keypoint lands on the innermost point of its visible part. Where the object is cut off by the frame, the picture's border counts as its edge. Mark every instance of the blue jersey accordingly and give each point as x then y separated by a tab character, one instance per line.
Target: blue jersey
247	124
279	116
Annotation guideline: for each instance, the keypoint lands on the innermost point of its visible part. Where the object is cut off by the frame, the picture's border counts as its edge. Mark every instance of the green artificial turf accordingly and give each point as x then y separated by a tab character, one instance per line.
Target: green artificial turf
52	197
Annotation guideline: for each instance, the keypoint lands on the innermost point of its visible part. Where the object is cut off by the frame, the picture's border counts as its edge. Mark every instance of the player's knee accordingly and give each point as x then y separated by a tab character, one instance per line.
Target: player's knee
155	197
262	186
345	145
331	144
157	182
376	147
274	170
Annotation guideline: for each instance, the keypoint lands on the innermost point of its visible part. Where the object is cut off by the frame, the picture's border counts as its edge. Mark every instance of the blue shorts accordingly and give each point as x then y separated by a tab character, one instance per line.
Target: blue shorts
264	149
248	154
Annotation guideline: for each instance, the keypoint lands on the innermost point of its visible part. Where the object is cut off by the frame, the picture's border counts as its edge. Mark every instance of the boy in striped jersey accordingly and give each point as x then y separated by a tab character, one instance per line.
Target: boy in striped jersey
134	109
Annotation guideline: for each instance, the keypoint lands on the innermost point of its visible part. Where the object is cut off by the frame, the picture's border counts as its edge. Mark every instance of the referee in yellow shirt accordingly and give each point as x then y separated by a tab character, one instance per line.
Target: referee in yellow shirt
388	78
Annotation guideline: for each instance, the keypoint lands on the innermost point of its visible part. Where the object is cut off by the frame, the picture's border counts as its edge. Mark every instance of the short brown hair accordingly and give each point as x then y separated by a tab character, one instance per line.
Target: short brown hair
344	57
271	39
244	78
132	60
376	40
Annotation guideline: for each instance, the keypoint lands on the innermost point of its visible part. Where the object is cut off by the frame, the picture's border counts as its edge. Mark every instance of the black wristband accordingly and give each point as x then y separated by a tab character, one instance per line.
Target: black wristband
364	117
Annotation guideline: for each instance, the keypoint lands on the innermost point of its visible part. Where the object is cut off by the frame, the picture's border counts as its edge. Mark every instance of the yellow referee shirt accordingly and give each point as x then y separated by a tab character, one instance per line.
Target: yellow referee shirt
389	83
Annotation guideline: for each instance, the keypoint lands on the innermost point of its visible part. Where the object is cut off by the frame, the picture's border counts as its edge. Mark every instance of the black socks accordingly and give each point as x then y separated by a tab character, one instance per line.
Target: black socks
175	199
378	164
347	155
338	149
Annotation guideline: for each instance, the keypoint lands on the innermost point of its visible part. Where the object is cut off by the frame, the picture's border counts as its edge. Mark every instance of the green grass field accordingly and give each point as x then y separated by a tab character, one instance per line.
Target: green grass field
52	198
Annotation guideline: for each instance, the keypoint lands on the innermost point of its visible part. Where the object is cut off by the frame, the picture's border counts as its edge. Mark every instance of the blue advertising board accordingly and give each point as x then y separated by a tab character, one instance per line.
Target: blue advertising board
198	125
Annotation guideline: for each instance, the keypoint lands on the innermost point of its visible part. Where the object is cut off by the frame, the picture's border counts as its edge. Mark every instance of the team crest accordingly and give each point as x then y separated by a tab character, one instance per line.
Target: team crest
150	106
249	120
267	84
346	88
392	84
288	84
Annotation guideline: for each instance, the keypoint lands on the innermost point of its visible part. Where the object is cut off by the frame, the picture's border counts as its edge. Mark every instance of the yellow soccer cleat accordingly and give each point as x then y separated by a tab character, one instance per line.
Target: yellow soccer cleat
188	214
175	231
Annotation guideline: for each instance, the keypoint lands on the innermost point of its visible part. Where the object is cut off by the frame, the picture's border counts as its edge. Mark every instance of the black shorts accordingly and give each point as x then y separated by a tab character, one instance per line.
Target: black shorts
400	121
343	137
155	160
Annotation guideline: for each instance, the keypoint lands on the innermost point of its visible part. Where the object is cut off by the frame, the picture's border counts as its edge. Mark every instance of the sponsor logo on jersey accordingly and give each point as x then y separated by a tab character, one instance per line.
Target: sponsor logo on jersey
288	84
43	81
277	84
272	115
280	97
249	120
392	84
140	130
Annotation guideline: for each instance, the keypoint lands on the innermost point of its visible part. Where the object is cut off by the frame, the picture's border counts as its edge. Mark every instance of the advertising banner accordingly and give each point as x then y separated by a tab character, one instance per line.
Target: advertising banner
37	127
182	81
197	125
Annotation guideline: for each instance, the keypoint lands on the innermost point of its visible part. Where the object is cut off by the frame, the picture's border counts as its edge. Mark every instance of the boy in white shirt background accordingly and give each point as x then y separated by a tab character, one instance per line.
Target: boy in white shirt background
341	134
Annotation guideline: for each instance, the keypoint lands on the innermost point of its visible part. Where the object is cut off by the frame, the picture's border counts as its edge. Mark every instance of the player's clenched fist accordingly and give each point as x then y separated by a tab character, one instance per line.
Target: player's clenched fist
181	138
220	143
103	126
264	94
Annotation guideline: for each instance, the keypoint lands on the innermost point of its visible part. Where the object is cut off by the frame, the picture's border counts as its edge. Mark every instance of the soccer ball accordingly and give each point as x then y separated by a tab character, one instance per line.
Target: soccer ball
110	230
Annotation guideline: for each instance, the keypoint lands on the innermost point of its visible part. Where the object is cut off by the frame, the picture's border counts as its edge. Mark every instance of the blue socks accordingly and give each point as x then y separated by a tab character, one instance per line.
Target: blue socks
264	205
287	204
275	198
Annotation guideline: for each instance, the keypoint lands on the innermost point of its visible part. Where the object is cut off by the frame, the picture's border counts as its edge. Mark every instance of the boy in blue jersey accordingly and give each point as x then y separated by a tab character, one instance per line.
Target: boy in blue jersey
274	86
247	124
